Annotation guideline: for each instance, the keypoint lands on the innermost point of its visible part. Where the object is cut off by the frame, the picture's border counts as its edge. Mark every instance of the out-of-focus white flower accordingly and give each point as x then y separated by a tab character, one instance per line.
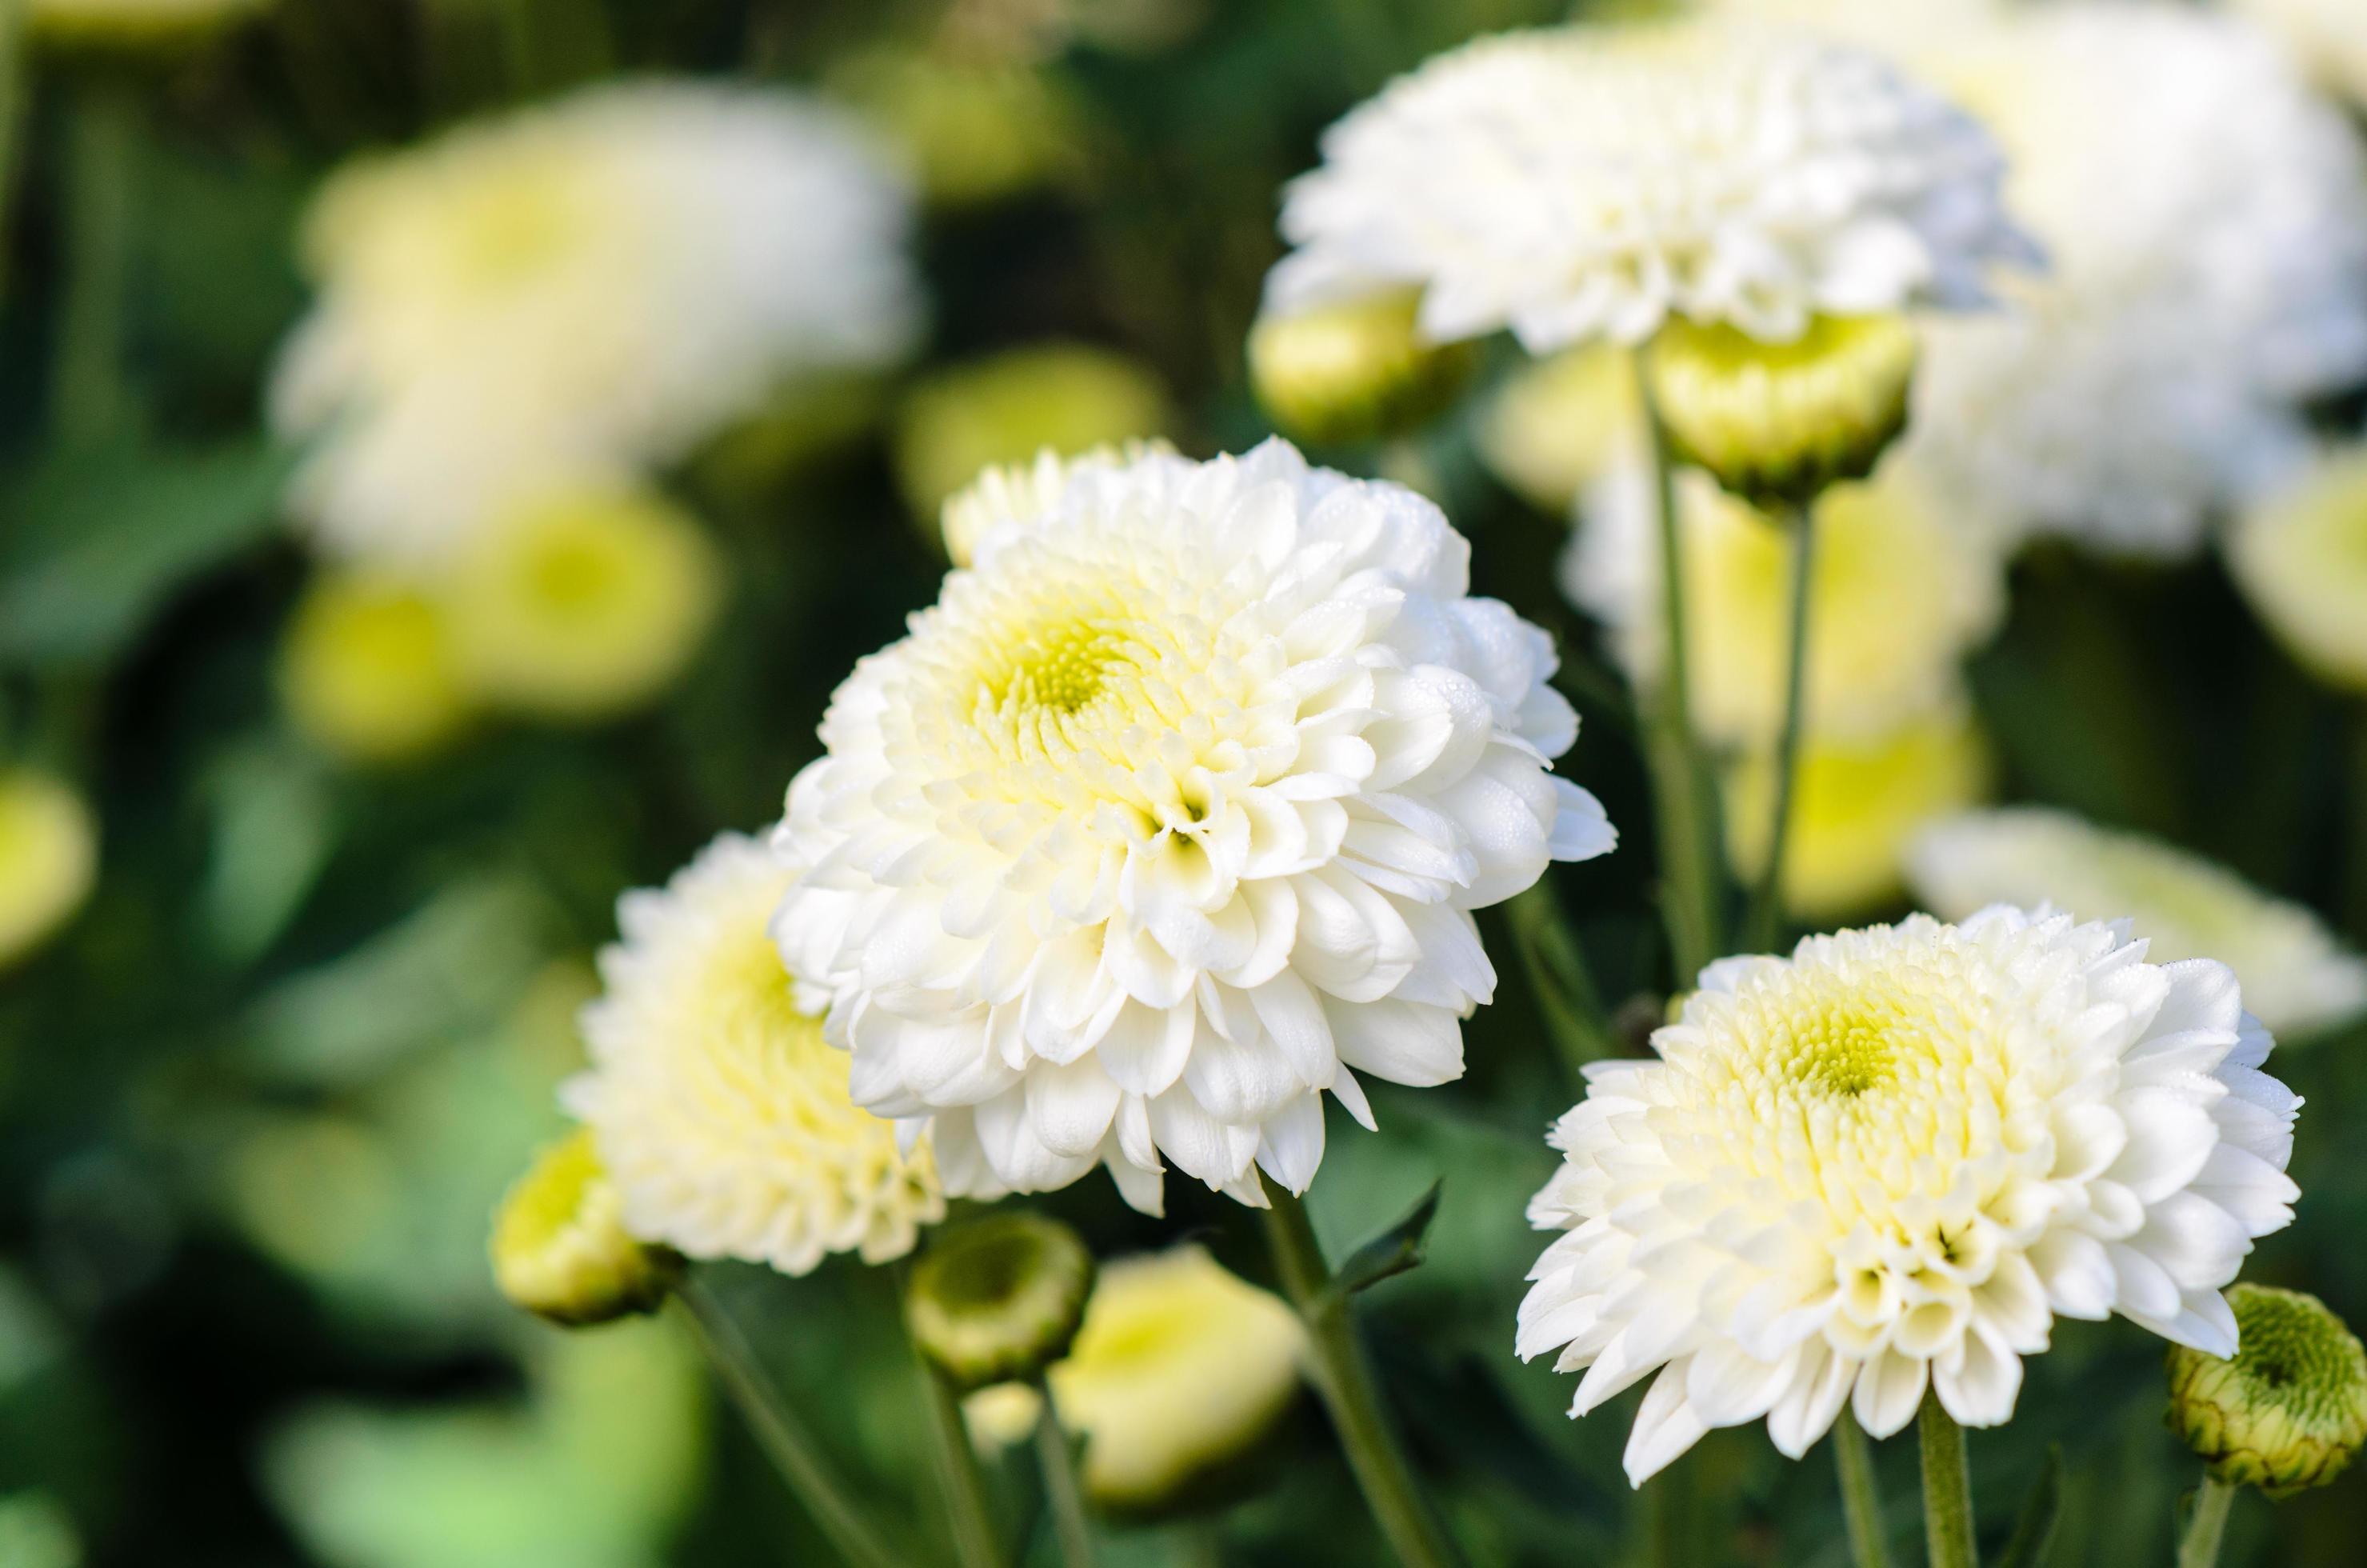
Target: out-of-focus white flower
2328	37
2205	218
1902	590
2295	975
721	1116
2300	555
610	277
1168	818
1589	182
1890	1162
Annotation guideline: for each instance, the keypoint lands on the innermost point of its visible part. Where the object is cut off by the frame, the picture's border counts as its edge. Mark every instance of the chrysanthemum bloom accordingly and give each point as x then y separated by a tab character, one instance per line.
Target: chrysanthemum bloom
2206	222
368	672
1023	492
2328	37
613	277
2300	558
581	601
1557	427
2295	975
1902	591
1168	818
1069	397
2288	1411
49	858
721	1115
112	23
1890	1162
1592	182
1856	807
1181	1368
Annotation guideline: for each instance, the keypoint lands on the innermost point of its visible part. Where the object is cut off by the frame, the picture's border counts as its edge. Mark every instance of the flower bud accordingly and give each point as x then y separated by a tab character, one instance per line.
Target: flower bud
2289	1409
560	1246
49	858
1355	371
1780	421
1000	1298
367	670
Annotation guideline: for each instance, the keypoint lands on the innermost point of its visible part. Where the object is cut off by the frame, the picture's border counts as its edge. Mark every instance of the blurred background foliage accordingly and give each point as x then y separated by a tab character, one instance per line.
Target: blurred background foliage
258	1097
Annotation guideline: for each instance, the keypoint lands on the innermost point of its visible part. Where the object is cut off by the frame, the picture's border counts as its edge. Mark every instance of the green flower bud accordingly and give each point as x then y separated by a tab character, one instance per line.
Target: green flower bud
2289	1411
1778	422
560	1246
1000	1298
1353	372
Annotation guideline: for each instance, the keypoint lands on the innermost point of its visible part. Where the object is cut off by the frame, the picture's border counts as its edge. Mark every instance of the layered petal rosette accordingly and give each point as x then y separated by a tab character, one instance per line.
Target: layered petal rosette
1168	818
1889	1162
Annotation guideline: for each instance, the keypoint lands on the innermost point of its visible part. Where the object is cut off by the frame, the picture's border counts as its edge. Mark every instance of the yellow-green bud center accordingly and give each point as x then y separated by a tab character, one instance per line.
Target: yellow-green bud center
999	1300
2289	1409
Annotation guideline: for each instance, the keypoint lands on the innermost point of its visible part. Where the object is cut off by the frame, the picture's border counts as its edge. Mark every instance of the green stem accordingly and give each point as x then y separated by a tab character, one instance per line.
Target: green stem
975	1545
89	398
1065	1500
1688	869
1345	1378
1670	1521
1947	1488
1567	1000
2200	1547
1766	918
12	119
793	1450
1861	1496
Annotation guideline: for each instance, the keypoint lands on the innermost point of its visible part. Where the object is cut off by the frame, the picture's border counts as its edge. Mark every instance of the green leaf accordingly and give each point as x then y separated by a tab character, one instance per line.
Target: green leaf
1393	1252
2035	1528
98	541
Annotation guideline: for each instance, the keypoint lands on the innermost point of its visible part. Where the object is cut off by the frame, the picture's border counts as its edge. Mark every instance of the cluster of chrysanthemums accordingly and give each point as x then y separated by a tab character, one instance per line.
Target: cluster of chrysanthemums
1171	817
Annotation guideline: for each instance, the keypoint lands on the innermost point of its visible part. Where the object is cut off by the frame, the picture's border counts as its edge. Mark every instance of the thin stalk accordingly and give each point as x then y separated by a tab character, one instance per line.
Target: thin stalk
792	1449
1567	1003
1061	1493
2204	1530
1766	918
975	1543
12	118
1669	1522
1861	1496
89	397
1690	894
1345	1378
1947	1488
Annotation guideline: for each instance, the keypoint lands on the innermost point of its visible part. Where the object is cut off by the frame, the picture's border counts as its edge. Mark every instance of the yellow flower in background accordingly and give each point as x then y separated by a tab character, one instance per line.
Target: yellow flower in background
583	602
107	22
1358	371
49	858
559	1248
724	1119
2300	558
1902	591
1856	807
367	670
1067	397
977	130
1023	492
1561	424
2296	975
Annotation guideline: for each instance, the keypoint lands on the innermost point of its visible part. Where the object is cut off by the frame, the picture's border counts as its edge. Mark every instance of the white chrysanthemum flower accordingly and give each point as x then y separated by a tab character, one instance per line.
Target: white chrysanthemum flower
610	277
1589	182
723	1117
2328	37
2295	975
2300	555
1890	1162
2205	218
1902	591
1170	817
1020	493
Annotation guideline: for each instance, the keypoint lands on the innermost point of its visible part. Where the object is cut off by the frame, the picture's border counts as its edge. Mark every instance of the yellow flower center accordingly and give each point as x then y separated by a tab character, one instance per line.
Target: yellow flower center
1061	666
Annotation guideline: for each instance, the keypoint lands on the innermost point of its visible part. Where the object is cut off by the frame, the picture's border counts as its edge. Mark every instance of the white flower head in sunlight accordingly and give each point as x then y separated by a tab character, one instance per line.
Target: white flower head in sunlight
2205	218
1020	493
615	275
1168	818
1889	1162
1589	182
722	1118
2295	975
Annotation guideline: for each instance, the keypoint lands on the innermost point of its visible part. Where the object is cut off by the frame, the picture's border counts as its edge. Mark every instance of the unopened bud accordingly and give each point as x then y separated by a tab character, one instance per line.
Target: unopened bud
560	1249
2289	1409
1000	1298
1353	372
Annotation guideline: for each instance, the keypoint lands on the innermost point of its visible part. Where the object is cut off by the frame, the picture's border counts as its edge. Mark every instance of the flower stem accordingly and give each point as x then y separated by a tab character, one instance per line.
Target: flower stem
12	118
793	1450
2200	1547
1861	1496
1765	922
1688	869
1947	1488
1060	1490
1567	1002
89	399
1345	1378
975	1545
